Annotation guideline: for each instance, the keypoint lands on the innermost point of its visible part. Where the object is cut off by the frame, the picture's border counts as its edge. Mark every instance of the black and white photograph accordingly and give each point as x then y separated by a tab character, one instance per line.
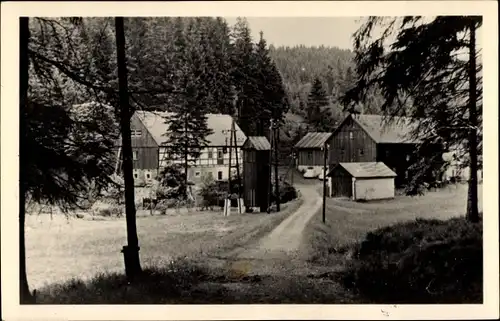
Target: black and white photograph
225	158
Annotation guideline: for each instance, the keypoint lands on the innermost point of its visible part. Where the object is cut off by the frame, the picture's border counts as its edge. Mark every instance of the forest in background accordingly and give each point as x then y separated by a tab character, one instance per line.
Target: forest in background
222	67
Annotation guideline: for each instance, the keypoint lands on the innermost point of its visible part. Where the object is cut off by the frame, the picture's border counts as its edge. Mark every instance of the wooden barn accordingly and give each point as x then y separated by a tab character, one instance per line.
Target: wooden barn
367	138
309	151
256	172
362	181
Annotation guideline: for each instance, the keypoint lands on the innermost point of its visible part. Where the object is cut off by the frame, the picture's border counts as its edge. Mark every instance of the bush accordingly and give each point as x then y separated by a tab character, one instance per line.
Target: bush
287	192
214	193
425	261
111	211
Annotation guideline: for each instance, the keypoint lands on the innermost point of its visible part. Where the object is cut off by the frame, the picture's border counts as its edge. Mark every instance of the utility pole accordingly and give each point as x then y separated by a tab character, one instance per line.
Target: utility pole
276	178
325	153
131	250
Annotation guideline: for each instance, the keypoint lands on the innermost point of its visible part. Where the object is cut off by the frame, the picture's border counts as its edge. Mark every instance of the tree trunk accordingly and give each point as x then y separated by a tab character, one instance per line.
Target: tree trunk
131	250
276	178
24	35
186	167
472	206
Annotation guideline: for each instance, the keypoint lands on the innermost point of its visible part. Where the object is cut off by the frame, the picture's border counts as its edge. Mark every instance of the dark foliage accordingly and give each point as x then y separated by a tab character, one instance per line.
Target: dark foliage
286	191
426	261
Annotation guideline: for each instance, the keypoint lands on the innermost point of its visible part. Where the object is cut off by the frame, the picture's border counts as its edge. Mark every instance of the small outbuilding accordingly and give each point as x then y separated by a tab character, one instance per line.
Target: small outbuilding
256	172
362	181
310	151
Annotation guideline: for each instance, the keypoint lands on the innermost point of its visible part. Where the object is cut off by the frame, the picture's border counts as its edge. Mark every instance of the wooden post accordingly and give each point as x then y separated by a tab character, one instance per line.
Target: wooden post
276	177
131	250
325	153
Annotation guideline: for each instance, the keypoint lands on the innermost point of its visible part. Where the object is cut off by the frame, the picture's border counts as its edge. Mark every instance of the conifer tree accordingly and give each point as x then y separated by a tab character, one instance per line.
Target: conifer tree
318	115
187	125
423	73
244	78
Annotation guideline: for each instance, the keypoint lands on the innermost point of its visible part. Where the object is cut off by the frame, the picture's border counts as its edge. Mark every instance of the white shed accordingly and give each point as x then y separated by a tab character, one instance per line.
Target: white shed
362	181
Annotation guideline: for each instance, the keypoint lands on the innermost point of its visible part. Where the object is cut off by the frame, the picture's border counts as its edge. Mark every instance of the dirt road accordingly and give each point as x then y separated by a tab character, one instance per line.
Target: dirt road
279	251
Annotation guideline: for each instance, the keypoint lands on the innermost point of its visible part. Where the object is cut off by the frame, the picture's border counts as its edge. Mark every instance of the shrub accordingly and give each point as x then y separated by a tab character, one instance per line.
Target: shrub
425	261
111	211
287	192
171	183
214	193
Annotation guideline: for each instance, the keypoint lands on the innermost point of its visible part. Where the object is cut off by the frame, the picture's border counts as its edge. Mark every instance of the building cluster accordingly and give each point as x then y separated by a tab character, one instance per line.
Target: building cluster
365	157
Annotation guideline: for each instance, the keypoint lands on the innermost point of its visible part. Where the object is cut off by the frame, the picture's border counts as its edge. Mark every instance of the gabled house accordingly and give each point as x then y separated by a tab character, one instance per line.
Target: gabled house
310	151
368	138
150	147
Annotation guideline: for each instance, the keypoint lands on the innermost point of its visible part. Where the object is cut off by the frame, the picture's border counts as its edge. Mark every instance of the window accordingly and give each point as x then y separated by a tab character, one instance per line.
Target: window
148	176
361	152
351	136
210	154
341	151
135	175
220	157
136	133
219	175
309	155
197	174
134	155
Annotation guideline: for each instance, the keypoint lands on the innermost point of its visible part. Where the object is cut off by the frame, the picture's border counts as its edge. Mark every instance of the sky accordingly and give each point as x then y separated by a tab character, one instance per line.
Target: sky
309	31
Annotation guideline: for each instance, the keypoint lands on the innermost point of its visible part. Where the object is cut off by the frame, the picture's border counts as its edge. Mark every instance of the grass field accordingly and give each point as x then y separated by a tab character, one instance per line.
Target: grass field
348	222
59	249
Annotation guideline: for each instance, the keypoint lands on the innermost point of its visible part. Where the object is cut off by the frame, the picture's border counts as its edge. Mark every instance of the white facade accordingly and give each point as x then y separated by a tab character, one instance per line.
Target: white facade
373	188
213	161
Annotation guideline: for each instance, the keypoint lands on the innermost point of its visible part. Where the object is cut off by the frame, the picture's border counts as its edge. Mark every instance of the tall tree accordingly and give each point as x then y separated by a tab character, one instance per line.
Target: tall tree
273	100
187	125
24	35
65	149
426	73
318	115
131	250
244	77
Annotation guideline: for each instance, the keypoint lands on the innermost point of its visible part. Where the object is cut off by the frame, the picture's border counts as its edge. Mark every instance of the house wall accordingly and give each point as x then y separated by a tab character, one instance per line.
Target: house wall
310	158
256	177
340	183
397	157
212	160
373	188
350	143
144	147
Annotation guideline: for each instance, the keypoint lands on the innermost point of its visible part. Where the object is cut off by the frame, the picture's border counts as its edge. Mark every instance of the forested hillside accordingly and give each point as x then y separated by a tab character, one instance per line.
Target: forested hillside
300	66
202	64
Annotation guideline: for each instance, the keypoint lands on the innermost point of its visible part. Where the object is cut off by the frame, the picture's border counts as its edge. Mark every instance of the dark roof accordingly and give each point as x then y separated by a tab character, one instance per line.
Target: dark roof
367	170
397	130
313	140
220	125
257	143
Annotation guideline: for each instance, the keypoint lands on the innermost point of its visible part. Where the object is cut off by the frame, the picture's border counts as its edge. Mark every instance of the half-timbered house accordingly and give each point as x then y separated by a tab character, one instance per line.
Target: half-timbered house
150	147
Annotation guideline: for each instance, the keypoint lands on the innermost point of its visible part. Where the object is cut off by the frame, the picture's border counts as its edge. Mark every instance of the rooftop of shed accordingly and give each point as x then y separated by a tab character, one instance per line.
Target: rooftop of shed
313	140
257	143
367	170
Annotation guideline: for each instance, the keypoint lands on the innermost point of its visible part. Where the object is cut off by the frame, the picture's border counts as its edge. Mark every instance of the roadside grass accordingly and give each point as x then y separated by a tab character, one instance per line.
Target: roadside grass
61	249
348	222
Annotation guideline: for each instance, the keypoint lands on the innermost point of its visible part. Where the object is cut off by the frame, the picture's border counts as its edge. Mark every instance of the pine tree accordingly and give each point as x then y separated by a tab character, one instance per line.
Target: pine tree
244	78
318	115
424	76
187	126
